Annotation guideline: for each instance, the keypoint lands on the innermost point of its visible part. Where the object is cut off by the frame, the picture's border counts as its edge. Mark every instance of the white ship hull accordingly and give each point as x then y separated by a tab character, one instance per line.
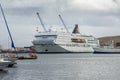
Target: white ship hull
62	49
106	50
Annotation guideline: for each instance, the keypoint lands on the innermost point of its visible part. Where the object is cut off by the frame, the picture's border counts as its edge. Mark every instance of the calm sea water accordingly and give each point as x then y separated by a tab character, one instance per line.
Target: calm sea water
66	67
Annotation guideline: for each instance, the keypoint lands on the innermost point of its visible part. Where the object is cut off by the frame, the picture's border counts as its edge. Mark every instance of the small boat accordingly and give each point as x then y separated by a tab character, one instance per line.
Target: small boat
22	57
14	57
4	64
13	61
8	57
31	56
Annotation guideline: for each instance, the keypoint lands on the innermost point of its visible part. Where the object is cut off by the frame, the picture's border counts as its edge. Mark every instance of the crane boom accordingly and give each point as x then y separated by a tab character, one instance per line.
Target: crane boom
63	23
12	42
41	21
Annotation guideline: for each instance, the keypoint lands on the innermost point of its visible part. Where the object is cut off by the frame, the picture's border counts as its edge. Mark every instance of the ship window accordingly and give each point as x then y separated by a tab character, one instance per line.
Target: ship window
44	36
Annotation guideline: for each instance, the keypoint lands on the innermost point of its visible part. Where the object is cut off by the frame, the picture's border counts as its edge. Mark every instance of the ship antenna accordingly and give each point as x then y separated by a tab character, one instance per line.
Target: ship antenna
41	22
12	42
63	23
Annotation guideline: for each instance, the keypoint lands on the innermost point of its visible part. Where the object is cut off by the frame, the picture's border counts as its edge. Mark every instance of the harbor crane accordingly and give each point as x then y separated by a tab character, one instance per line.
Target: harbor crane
41	22
12	42
63	23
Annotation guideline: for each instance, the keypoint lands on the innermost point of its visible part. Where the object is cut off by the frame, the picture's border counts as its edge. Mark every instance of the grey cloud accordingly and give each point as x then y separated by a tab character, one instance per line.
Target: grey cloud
50	11
24	11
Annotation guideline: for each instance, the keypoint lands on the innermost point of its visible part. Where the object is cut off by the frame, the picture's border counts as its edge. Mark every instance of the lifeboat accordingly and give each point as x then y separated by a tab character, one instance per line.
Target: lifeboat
78	40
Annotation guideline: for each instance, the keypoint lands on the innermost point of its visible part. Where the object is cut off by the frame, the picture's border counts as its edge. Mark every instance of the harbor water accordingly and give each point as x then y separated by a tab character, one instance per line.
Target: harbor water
66	67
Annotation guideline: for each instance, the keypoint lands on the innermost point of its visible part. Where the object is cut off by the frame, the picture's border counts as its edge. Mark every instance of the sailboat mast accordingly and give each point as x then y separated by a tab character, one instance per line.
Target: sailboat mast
41	21
12	43
63	23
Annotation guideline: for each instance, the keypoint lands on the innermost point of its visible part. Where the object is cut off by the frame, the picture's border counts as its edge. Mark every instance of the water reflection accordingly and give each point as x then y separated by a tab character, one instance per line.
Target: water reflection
3	73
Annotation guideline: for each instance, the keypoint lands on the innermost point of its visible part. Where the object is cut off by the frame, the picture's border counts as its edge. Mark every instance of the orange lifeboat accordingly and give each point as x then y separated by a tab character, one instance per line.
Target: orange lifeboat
78	40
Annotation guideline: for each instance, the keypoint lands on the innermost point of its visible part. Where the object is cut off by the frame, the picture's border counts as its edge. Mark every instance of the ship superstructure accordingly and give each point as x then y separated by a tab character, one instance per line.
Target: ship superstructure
64	42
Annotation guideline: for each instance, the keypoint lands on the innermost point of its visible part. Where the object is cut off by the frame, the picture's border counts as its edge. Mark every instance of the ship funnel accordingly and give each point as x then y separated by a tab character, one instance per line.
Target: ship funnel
76	29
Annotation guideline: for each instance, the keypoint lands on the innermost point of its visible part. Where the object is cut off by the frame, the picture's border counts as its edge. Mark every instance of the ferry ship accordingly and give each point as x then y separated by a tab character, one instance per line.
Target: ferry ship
63	42
109	48
108	45
106	50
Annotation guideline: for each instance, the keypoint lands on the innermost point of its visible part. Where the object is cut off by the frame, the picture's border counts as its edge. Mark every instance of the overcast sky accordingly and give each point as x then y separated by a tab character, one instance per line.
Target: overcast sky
94	17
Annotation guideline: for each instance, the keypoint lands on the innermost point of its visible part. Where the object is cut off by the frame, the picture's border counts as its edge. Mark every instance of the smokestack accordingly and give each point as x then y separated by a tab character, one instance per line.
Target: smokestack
76	29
